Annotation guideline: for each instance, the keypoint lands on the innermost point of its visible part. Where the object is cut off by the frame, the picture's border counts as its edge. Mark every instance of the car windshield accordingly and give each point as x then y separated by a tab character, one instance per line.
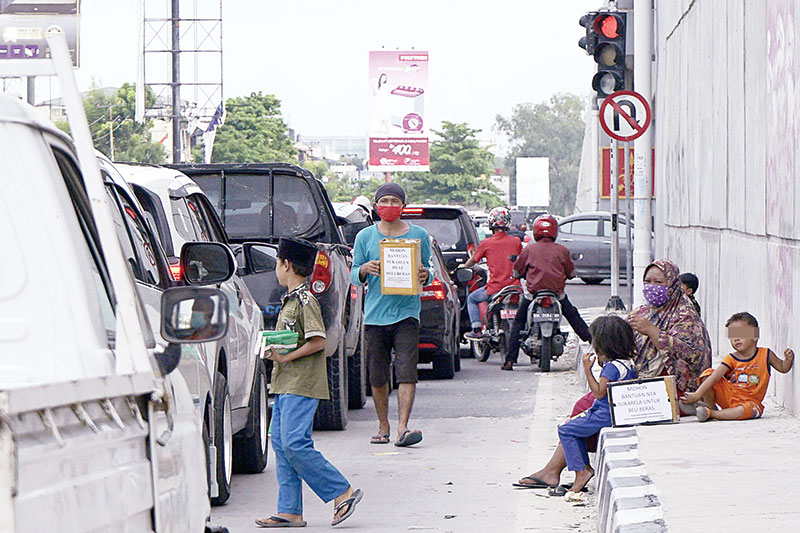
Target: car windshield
247	211
448	233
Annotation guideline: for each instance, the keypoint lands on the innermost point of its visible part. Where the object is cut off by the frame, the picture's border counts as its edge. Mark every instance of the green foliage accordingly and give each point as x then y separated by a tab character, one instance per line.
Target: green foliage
341	189
555	130
460	170
132	142
253	132
317	167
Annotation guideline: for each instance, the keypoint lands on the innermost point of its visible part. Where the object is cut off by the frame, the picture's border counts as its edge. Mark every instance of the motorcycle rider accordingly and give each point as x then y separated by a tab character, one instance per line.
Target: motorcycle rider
497	250
545	266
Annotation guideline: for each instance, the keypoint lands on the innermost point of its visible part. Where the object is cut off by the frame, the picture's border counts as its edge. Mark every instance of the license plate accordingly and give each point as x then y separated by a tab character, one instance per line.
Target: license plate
543	316
508	314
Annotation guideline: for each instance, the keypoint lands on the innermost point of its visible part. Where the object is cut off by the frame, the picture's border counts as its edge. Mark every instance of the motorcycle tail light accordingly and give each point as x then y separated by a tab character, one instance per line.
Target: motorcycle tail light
321	277
433	291
547	302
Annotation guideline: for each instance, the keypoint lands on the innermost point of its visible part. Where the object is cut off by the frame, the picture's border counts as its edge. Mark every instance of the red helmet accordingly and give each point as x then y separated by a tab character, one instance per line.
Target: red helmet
545	226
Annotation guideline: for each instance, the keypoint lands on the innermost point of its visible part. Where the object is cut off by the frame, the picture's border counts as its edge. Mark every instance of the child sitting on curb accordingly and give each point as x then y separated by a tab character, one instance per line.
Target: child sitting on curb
613	342
746	374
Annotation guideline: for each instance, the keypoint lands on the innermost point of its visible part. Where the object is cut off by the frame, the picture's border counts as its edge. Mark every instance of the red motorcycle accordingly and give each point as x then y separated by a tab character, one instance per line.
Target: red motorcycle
500	312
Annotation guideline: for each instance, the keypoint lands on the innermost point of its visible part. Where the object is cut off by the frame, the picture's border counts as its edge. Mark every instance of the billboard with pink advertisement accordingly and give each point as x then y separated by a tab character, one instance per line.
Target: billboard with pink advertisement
398	136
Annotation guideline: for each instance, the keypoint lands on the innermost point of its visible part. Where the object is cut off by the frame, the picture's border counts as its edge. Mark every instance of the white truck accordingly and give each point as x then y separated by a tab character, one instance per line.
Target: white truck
96	431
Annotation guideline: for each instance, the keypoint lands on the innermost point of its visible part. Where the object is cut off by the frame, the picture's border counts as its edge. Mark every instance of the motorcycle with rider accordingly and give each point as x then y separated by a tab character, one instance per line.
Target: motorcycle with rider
545	266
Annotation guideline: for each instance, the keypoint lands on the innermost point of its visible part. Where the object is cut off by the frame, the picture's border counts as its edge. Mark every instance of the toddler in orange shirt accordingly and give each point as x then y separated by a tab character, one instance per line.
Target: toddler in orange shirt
736	388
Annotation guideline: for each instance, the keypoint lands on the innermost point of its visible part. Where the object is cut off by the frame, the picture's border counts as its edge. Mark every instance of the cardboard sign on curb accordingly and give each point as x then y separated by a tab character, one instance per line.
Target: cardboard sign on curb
643	401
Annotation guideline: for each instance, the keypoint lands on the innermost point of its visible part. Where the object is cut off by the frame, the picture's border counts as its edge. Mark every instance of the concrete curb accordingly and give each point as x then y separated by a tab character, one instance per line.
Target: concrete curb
627	499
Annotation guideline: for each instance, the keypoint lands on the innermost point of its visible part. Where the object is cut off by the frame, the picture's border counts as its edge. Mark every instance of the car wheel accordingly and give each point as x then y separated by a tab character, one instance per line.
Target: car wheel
332	413
444	365
592	281
357	376
250	446
223	439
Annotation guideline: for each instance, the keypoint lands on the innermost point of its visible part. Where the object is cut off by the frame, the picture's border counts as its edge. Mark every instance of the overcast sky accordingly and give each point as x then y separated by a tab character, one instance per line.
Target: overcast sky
485	56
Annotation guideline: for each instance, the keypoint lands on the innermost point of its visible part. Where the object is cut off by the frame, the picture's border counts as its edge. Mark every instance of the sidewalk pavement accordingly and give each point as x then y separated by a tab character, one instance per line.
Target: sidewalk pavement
726	476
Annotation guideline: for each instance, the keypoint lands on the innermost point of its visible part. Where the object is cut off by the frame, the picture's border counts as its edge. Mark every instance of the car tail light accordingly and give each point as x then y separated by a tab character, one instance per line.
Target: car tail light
321	277
353	292
546	302
413	211
427	346
434	291
175	268
471	248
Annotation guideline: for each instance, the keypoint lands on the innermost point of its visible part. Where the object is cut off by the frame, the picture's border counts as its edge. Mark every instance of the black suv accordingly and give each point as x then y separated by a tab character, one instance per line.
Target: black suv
455	232
261	202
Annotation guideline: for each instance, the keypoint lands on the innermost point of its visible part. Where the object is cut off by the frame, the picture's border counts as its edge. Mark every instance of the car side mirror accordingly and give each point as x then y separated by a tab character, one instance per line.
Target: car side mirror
341	221
191	315
576	256
464	275
259	257
207	263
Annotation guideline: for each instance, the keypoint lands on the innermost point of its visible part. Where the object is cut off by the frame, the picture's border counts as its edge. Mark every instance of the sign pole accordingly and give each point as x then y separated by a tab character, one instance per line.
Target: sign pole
615	302
628	254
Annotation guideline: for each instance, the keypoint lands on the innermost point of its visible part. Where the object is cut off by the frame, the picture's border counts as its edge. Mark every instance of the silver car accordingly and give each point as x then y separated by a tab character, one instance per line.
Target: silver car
237	432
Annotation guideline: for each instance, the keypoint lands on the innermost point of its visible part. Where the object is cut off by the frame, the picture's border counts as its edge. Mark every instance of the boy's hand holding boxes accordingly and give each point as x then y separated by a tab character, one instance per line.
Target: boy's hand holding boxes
283	341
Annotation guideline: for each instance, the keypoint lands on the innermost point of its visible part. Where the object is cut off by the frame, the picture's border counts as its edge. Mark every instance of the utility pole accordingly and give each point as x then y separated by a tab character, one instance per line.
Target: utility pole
643	146
176	81
111	130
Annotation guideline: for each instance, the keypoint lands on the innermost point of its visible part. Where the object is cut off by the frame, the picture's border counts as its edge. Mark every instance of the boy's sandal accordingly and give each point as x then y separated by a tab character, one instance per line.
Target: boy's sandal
351	507
279	521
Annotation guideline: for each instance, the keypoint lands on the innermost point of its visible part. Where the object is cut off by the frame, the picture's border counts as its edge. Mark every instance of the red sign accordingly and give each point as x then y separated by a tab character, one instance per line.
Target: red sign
395	154
605	172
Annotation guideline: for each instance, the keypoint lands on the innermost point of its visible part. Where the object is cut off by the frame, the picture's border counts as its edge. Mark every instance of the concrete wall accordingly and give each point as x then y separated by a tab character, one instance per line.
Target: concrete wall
727	121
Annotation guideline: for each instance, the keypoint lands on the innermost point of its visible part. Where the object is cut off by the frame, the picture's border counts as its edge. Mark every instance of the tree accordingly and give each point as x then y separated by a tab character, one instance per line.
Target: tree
553	130
460	170
108	109
254	131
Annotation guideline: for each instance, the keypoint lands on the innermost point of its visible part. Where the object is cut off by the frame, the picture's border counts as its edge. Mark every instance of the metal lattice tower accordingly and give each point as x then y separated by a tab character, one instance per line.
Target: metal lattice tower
182	65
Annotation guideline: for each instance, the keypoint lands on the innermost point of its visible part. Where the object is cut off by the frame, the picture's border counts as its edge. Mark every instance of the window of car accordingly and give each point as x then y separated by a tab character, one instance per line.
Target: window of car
585	226
621	227
207	217
200	225
444	225
104	289
251	210
182	219
137	242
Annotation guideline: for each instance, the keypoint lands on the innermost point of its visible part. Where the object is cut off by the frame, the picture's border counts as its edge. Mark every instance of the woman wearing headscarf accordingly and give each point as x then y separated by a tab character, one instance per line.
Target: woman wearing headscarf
671	339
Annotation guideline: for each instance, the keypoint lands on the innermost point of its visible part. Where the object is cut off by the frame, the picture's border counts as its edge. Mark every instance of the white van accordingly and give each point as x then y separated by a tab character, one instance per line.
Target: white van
96	432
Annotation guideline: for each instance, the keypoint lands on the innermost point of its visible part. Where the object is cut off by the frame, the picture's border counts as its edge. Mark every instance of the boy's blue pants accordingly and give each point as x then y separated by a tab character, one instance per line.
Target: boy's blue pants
574	431
296	460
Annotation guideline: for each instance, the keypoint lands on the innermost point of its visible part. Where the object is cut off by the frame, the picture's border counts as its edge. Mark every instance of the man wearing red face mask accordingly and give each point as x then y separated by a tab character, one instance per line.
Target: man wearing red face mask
391	321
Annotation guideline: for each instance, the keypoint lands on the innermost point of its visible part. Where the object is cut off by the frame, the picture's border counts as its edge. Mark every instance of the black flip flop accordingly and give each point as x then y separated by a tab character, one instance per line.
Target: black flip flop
379	439
351	502
278	521
409	438
539	484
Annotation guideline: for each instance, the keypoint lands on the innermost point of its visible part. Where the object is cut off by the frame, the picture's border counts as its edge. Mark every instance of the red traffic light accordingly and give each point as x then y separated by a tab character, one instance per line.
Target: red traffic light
609	26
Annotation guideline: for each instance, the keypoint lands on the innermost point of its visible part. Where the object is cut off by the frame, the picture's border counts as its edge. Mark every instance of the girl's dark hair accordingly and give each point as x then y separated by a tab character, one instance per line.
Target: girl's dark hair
613	337
745	317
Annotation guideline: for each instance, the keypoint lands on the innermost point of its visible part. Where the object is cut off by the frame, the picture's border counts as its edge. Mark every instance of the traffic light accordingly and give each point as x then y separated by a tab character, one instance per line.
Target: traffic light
605	40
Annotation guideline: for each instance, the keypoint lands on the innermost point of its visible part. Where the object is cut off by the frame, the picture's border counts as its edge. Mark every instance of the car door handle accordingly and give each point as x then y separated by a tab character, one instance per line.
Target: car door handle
566	240
606	242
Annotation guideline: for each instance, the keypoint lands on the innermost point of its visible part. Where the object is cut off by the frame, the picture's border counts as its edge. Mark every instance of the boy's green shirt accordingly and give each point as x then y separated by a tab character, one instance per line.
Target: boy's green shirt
306	376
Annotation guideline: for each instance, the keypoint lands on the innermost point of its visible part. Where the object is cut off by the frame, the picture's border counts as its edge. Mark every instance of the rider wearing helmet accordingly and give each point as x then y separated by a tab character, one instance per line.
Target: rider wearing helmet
545	265
497	250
